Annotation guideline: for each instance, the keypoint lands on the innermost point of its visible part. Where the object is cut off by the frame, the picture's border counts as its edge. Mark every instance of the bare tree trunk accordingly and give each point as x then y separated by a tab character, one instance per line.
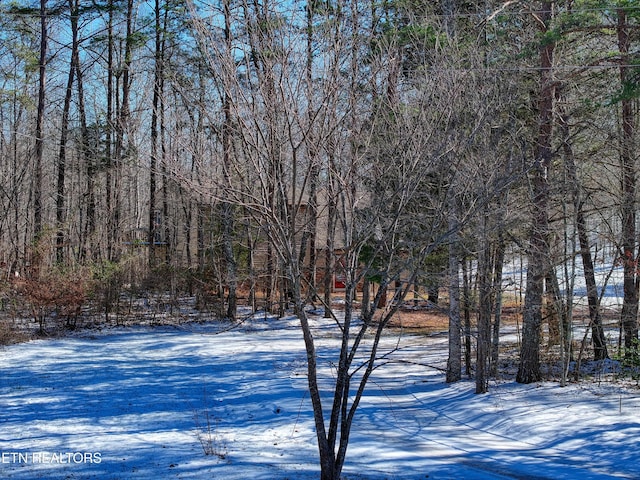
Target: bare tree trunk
329	253
631	282
327	458
87	243
308	240
19	169
39	133
74	69
156	113
200	252
109	133
557	309
498	263
228	217
167	224
122	137
62	152
551	312
466	309
538	255
454	362
595	320
484	306
251	248
153	165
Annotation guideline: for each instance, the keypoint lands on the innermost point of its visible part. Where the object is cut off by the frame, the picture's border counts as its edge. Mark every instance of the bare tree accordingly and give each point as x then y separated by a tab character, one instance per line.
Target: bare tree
577	190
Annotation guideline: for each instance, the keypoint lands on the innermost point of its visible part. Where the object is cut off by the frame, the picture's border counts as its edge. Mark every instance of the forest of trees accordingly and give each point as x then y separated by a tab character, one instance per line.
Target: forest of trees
252	150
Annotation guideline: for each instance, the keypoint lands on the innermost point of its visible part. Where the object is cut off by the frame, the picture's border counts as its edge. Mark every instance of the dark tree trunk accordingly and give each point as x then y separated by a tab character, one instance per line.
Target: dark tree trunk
454	362
466	295
228	217
87	245
629	318
62	152
157	105
484	307
595	320
538	254
121	140
109	134
39	132
308	240
329	257
74	70
498	263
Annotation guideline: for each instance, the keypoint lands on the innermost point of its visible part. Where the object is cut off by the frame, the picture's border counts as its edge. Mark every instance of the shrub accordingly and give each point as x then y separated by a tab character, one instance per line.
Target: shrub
629	359
9	334
57	291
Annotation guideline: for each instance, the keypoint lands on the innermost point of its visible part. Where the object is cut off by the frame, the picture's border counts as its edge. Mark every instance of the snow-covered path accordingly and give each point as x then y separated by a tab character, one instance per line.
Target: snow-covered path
146	403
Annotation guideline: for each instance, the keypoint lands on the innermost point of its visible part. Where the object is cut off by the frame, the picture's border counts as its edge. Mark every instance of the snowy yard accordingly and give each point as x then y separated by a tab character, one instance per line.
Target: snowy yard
147	403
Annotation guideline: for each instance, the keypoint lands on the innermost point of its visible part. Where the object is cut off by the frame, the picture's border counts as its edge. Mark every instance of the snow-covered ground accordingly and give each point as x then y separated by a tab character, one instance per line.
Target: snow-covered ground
608	274
147	403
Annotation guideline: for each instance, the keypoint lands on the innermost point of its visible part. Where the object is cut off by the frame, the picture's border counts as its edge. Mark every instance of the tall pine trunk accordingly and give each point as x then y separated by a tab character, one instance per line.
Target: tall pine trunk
631	280
538	262
62	157
39	132
228	216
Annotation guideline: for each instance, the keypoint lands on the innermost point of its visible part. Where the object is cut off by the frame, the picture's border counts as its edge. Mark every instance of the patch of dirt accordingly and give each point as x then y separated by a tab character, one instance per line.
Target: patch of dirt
431	320
427	321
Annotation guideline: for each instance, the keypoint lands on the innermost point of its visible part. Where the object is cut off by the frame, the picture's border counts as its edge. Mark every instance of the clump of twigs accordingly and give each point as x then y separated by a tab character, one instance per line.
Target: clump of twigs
207	433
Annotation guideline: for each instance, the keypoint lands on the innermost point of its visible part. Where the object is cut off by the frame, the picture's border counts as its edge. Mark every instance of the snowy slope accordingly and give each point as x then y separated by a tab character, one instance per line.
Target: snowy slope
143	403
